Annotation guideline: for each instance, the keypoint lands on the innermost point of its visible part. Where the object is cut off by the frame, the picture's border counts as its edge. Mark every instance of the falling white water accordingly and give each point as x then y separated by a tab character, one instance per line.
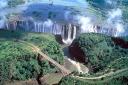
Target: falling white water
48	23
3	4
74	32
113	25
47	26
68	33
2	21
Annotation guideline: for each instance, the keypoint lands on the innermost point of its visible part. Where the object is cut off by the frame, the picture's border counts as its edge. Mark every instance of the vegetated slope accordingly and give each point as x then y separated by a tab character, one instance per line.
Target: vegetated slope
106	58
19	62
37	50
112	78
99	50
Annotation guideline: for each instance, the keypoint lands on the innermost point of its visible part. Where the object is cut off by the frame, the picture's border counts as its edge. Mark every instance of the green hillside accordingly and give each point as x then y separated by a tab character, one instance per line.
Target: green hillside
105	56
18	61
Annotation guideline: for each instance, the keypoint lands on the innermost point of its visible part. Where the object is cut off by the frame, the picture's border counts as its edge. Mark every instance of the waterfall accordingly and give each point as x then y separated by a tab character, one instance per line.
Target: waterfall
47	27
68	33
7	25
2	23
2	20
73	32
11	25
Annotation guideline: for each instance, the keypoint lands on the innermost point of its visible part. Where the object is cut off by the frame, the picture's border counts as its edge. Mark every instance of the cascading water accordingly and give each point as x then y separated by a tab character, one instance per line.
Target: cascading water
68	33
65	29
47	27
2	21
3	4
72	20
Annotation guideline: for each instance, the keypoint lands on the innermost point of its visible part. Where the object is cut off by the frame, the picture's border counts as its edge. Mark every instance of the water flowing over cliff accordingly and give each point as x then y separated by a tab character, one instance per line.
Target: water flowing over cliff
65	18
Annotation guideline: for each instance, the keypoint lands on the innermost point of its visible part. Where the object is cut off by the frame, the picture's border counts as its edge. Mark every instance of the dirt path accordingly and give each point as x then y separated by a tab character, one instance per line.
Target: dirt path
102	78
36	49
107	76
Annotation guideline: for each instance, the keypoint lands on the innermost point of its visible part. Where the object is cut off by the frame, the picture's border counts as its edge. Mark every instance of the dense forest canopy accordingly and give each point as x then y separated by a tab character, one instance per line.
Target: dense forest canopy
19	62
104	52
99	50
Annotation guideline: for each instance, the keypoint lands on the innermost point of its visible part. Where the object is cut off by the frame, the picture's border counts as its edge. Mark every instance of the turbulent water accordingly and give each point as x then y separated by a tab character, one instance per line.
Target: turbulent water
64	17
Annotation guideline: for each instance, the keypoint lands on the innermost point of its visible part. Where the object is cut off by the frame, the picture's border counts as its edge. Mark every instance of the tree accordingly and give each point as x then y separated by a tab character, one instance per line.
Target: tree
19	62
99	50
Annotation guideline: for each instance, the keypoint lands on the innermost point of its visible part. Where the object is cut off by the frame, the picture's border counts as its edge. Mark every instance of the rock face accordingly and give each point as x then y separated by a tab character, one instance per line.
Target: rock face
76	53
98	50
122	43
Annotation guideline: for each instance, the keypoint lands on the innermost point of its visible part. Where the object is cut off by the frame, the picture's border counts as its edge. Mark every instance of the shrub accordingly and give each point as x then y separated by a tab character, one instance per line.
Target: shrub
19	62
99	49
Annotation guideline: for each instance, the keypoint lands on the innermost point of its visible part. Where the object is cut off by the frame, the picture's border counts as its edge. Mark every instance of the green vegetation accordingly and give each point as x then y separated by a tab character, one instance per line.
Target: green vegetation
119	63
19	62
107	59
100	50
114	80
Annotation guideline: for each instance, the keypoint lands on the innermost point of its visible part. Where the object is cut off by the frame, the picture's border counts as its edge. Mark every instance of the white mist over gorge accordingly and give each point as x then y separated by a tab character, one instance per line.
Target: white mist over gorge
3	4
66	18
86	24
115	18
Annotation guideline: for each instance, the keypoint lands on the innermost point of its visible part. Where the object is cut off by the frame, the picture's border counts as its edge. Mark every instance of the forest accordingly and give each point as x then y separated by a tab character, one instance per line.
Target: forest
64	42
